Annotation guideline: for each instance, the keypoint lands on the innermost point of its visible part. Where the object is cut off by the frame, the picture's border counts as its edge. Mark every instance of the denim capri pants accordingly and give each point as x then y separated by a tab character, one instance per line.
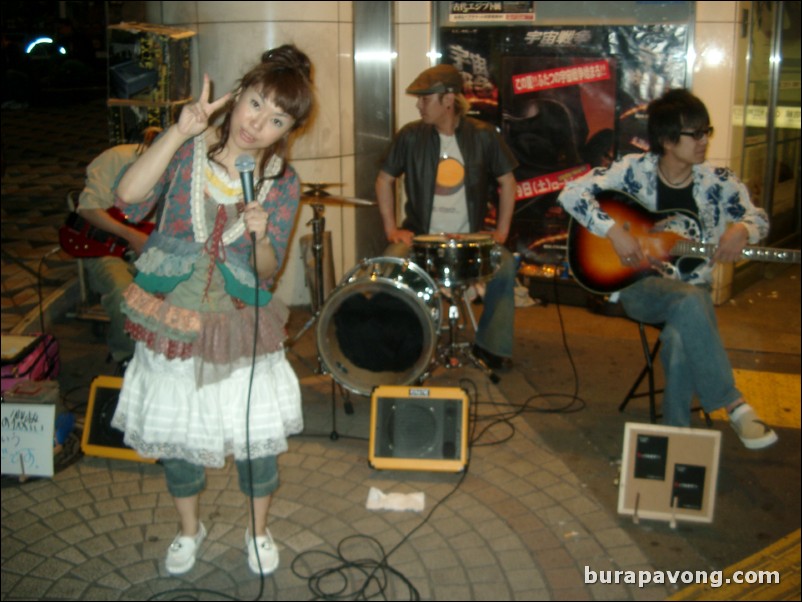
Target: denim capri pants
185	479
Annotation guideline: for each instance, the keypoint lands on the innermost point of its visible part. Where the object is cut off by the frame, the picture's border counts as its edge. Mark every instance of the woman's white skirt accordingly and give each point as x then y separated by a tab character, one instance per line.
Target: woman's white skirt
165	415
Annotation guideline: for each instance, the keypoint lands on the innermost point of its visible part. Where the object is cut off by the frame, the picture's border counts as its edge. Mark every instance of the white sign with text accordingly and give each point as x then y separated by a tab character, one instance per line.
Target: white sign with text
27	431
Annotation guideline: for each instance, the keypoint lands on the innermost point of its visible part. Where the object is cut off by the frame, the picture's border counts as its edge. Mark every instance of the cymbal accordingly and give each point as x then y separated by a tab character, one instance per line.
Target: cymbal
328	199
315	187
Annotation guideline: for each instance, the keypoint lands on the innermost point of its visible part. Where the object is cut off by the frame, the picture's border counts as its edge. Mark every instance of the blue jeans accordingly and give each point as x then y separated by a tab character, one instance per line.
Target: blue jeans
693	355
185	479
109	277
495	329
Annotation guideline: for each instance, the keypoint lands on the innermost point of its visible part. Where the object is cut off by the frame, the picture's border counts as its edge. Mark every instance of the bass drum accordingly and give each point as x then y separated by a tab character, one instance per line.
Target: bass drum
380	325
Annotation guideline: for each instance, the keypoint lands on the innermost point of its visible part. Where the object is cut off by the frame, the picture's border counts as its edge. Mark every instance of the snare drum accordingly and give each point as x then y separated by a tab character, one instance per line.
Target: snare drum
455	259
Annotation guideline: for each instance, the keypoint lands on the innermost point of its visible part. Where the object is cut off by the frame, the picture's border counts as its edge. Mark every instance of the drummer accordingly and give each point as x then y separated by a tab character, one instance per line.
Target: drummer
443	198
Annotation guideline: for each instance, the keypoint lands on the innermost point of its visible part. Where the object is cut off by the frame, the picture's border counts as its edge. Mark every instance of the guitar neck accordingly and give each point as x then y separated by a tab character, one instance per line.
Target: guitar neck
697	249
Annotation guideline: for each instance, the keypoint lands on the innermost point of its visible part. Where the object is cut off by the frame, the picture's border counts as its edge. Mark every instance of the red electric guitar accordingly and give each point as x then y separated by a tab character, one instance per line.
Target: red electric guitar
81	239
596	266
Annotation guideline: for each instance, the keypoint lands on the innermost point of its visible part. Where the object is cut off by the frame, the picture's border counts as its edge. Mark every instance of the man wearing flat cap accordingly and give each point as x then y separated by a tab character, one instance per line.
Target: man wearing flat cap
453	166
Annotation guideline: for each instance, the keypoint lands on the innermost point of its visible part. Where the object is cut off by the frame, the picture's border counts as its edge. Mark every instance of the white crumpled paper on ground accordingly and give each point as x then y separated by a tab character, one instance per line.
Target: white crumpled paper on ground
378	500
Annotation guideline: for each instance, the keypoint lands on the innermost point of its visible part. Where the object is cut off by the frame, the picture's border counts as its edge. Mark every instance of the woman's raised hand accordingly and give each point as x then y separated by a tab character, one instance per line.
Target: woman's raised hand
194	118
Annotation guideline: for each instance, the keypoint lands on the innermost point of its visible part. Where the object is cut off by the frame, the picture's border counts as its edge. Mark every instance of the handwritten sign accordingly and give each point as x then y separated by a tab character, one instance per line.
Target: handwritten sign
27	432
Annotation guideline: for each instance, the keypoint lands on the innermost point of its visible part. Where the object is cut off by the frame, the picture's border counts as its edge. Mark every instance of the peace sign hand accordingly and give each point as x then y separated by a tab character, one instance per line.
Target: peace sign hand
194	118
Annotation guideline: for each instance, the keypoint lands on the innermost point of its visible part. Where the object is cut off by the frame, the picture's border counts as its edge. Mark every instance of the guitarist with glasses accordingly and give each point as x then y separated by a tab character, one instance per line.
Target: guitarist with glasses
702	203
111	274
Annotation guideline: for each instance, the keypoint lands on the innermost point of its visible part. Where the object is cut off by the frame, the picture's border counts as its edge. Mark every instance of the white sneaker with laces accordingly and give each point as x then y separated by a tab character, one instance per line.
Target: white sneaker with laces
267	558
753	432
182	552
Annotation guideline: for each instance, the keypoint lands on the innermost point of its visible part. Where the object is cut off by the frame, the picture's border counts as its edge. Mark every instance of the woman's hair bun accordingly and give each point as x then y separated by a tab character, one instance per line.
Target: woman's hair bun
288	57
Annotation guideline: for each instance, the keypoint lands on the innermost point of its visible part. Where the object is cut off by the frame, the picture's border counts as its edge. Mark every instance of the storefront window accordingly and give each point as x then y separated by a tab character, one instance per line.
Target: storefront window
771	116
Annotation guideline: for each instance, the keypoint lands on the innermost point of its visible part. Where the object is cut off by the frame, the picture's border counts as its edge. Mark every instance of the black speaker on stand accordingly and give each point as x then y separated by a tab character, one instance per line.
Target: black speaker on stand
419	428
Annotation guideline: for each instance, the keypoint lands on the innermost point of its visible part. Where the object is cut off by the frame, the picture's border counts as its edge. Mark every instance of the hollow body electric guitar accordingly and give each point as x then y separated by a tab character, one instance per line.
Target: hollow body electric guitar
596	266
81	239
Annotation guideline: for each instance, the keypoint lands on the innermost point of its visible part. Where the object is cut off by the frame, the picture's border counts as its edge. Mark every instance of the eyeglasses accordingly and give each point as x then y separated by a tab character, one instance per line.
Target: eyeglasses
700	133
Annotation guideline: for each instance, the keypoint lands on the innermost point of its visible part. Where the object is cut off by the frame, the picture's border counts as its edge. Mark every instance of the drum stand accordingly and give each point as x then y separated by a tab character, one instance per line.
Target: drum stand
449	354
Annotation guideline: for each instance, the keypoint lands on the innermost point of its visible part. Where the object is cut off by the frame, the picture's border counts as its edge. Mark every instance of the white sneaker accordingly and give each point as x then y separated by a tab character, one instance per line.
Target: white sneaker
753	432
182	552
267	558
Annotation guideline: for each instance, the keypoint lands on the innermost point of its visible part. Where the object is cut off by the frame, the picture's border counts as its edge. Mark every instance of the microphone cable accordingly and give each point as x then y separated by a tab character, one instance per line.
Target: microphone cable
363	578
248	418
245	164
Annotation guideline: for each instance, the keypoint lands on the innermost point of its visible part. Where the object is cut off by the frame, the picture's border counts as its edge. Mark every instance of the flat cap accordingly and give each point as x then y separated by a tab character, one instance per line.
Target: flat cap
437	80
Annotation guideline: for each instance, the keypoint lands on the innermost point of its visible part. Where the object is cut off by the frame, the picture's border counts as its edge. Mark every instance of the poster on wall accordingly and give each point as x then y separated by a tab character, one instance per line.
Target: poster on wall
566	100
558	119
478	11
471	53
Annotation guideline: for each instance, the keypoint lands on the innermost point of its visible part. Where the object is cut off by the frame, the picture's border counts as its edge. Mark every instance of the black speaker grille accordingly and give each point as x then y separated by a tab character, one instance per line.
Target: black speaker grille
418	428
101	432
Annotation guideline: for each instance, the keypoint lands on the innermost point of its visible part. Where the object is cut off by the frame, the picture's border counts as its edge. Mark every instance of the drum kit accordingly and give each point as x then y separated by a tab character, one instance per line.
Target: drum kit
383	323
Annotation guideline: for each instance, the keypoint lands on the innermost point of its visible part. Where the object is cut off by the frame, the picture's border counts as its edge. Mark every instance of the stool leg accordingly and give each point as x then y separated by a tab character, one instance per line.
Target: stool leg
648	371
650	363
631	394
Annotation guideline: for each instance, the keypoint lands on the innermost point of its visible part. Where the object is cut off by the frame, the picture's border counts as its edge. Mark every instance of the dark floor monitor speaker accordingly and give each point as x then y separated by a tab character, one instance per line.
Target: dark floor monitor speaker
99	437
419	428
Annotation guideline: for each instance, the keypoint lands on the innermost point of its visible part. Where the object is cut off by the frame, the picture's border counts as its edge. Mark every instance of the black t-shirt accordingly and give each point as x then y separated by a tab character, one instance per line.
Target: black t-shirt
670	199
673	199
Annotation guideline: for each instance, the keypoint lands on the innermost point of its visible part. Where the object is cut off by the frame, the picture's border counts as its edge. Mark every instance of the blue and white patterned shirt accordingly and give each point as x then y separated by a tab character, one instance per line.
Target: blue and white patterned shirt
721	199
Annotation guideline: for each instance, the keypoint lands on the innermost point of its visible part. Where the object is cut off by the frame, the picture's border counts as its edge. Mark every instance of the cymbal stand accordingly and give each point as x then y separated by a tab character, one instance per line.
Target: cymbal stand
348	407
451	352
318	223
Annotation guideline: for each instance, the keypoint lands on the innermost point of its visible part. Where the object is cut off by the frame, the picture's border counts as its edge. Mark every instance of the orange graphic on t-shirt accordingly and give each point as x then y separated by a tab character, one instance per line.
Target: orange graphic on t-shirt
450	176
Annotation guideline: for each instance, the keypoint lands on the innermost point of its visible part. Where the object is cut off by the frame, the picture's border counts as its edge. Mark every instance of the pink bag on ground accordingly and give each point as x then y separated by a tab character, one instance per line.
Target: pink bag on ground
29	358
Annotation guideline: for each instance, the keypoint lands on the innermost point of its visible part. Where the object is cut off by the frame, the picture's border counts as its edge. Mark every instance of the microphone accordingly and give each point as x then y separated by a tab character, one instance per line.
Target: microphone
245	166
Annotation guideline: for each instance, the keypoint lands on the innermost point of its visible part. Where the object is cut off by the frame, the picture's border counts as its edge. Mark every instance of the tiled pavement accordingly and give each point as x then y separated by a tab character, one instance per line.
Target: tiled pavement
517	526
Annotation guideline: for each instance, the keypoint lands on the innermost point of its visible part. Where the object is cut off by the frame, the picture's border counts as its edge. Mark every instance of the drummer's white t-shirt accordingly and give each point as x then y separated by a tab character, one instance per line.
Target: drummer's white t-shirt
450	208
